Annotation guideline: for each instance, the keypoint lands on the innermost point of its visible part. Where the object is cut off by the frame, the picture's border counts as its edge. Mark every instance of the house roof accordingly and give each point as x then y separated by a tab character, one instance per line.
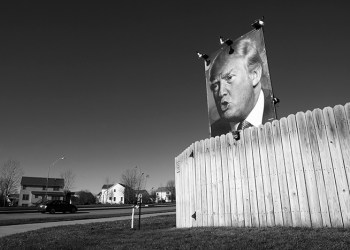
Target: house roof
48	193
106	186
41	181
143	192
162	189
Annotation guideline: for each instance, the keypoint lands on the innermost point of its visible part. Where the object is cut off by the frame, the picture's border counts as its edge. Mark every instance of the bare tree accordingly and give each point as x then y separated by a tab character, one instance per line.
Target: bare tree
69	179
109	192
10	176
170	186
134	181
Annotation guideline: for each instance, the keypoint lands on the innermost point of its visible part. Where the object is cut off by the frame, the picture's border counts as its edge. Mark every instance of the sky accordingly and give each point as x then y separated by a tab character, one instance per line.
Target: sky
115	86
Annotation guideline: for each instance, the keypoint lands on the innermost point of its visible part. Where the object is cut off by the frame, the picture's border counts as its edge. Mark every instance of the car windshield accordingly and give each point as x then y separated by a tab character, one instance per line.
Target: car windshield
47	202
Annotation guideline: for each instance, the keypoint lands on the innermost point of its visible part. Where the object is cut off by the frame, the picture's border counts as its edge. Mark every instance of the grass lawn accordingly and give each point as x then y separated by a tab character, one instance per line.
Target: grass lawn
160	233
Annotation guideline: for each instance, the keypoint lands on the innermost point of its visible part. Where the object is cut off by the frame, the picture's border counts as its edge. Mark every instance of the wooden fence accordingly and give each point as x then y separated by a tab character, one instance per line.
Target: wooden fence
292	172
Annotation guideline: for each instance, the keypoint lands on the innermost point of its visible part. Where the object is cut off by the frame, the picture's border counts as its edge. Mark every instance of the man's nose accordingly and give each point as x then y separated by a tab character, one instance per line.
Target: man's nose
222	88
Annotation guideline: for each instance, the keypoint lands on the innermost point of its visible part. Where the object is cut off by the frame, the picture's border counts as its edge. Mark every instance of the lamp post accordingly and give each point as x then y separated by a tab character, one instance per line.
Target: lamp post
48	173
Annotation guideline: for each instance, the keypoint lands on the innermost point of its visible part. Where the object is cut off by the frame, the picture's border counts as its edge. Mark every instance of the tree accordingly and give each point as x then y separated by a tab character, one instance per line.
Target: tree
170	186
85	197
134	181
69	178
10	176
153	195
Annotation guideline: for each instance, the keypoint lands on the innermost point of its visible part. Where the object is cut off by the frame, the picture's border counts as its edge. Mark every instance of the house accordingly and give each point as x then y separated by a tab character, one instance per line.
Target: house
35	189
112	194
163	195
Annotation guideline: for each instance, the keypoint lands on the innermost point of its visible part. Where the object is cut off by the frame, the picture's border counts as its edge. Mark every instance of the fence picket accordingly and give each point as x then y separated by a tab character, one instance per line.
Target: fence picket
327	169
198	188
192	183
310	178
299	172
225	181
282	178
290	174
177	208
219	183
187	190
209	183
214	181
265	170
232	181
344	137
276	194
338	165
239	184
258	177
318	170
183	180
347	117
251	177
245	183
203	171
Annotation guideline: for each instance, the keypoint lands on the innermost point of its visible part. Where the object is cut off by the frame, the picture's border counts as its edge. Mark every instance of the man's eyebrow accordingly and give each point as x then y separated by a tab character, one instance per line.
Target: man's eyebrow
221	76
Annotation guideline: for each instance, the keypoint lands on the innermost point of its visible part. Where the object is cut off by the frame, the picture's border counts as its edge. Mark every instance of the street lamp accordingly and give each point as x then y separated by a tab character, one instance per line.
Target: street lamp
48	173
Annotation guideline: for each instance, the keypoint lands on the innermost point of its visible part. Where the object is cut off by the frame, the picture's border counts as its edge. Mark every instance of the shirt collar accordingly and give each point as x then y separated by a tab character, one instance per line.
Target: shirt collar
256	115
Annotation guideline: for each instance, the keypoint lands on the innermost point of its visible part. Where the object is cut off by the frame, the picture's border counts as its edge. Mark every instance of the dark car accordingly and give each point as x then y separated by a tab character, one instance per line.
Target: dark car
57	206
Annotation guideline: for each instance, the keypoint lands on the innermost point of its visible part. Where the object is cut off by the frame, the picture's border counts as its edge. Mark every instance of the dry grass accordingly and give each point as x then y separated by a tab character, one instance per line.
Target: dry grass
160	233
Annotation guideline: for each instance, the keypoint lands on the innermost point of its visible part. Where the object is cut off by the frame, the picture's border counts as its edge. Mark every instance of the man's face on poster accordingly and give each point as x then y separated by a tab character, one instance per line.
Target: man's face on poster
233	87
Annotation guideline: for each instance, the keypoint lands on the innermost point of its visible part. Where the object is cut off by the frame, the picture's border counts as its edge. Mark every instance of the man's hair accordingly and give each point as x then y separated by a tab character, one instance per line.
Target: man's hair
245	48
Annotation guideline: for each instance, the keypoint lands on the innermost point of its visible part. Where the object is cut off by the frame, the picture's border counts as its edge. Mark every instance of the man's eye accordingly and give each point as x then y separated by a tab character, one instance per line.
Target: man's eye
228	77
214	86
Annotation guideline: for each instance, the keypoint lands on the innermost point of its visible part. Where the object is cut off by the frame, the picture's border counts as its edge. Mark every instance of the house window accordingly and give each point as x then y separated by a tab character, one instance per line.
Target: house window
110	198
121	199
114	190
25	197
114	199
56	188
36	196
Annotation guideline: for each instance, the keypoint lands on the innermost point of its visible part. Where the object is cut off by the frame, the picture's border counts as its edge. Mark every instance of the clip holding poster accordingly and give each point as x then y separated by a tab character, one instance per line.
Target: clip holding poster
238	84
259	23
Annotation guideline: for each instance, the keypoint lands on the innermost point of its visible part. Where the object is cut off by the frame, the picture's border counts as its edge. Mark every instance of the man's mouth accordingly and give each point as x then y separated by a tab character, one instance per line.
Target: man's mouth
224	106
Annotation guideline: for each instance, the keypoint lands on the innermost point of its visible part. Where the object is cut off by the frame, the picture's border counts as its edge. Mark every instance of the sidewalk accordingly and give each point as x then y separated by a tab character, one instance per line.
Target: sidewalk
8	230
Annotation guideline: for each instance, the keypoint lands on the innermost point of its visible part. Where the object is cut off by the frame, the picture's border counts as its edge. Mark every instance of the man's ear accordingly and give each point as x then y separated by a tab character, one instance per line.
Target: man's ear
255	75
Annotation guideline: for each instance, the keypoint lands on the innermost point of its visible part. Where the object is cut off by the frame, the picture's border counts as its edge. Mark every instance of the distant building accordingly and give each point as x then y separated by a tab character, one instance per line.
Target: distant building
112	194
163	195
33	190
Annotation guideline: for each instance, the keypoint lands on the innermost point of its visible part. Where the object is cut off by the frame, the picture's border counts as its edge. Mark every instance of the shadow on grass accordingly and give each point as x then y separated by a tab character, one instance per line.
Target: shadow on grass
160	233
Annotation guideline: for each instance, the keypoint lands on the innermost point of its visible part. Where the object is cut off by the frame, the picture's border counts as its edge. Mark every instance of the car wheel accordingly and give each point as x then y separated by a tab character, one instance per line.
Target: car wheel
73	210
52	211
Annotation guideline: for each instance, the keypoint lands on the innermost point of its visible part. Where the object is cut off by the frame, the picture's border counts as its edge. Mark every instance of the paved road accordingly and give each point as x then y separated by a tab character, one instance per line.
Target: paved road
90	211
8	230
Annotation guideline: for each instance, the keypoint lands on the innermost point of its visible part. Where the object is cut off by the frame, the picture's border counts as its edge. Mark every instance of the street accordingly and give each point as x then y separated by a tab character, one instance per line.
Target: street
86	211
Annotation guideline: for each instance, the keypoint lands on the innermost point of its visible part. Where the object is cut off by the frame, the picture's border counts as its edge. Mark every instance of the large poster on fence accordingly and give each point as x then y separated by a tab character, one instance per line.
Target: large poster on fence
238	85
